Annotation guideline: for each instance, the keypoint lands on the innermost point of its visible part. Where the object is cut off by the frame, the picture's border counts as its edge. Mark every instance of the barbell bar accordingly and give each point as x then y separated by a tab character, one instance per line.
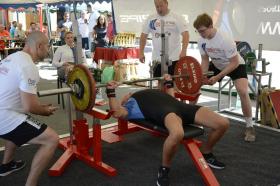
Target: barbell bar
73	88
187	74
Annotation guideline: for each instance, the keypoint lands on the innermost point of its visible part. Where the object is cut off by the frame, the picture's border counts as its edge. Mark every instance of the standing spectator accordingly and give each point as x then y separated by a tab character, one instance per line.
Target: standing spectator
83	29
19	35
32	28
175	26
13	28
99	33
224	61
4	36
64	26
92	17
45	29
110	29
8	26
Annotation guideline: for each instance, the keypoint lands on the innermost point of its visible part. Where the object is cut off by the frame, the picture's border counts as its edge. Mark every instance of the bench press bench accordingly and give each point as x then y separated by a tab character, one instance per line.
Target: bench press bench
86	140
116	133
190	144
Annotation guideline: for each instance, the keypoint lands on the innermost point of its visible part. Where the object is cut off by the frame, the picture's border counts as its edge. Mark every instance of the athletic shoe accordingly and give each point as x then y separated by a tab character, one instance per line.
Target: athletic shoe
213	162
163	179
6	169
250	134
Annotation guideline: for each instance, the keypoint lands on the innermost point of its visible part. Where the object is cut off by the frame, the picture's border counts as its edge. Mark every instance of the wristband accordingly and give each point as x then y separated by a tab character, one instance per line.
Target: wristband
168	84
110	93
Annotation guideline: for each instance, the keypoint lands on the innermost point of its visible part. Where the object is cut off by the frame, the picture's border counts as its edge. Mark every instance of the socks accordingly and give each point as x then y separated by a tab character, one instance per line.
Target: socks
249	121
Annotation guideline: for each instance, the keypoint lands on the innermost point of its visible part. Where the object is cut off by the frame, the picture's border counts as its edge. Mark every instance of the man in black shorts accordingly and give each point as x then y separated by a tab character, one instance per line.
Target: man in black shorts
225	61
18	97
163	109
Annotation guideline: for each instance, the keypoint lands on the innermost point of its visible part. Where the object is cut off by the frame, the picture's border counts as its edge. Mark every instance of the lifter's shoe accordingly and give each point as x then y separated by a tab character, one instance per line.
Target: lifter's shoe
213	162
6	169
163	179
250	134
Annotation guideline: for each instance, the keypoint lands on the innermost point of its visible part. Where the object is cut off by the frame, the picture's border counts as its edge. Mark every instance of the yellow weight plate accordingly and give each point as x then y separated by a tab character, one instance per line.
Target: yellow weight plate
85	99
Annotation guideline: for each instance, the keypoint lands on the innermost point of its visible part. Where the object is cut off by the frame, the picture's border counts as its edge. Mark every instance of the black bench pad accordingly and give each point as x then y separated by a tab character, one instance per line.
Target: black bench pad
190	130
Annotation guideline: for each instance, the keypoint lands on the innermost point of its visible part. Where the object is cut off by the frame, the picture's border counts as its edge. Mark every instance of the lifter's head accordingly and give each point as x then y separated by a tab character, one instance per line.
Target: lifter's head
37	46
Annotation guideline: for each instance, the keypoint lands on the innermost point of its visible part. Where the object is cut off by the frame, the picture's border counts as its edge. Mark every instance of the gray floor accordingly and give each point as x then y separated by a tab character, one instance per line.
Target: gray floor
249	164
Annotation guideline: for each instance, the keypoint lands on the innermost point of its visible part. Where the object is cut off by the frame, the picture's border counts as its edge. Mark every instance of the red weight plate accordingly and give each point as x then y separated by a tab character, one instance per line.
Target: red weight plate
191	67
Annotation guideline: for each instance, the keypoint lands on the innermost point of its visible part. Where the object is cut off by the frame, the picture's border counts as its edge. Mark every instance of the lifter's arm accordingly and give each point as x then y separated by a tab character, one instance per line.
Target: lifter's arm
115	106
168	84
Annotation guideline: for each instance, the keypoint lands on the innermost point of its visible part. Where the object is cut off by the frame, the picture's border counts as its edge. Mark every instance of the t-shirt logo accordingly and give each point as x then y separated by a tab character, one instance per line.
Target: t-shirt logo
31	82
154	23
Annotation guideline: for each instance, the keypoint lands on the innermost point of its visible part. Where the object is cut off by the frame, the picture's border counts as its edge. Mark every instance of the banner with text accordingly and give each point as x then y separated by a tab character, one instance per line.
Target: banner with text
254	21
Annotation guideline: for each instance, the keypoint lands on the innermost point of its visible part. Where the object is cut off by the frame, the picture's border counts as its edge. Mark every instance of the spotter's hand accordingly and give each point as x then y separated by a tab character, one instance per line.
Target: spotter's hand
167	77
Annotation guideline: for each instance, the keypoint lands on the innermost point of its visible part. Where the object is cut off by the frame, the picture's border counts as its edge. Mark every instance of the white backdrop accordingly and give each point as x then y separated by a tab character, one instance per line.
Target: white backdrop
254	21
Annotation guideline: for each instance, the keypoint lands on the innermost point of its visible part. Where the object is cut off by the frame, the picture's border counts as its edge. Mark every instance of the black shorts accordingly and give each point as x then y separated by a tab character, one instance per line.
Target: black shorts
157	69
25	132
156	105
85	43
239	72
185	111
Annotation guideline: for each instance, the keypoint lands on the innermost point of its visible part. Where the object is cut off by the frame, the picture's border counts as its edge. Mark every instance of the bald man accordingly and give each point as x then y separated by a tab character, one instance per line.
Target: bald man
19	77
174	26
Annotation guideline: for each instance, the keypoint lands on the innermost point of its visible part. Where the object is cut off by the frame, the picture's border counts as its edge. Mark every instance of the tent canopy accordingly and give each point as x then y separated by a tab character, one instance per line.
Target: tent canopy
15	4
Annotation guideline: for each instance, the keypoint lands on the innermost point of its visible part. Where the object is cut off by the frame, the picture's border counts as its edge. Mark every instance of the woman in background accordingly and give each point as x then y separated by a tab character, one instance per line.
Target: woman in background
99	33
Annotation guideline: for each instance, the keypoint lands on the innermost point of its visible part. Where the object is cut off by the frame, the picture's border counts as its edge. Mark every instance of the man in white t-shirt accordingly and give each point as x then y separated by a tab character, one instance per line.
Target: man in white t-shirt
83	29
174	26
225	61
92	20
18	97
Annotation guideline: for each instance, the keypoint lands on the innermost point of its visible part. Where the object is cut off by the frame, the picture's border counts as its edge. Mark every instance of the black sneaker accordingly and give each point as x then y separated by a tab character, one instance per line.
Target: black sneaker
6	169
213	162
163	179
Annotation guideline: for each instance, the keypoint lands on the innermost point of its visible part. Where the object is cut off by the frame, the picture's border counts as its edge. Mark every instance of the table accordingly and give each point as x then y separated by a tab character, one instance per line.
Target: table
110	56
114	54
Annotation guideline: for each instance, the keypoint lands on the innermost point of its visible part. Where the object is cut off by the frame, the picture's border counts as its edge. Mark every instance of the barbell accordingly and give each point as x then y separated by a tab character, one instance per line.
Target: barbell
187	74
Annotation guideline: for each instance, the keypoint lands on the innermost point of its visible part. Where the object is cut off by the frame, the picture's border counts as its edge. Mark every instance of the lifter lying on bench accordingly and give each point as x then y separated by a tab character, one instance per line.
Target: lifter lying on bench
164	110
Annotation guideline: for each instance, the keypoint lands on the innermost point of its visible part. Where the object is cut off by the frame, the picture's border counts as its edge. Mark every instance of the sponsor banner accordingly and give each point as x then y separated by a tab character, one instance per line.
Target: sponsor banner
254	21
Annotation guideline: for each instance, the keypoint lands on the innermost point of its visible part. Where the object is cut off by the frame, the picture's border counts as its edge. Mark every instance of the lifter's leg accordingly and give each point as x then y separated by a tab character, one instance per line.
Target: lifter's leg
219	125
206	117
174	126
176	133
